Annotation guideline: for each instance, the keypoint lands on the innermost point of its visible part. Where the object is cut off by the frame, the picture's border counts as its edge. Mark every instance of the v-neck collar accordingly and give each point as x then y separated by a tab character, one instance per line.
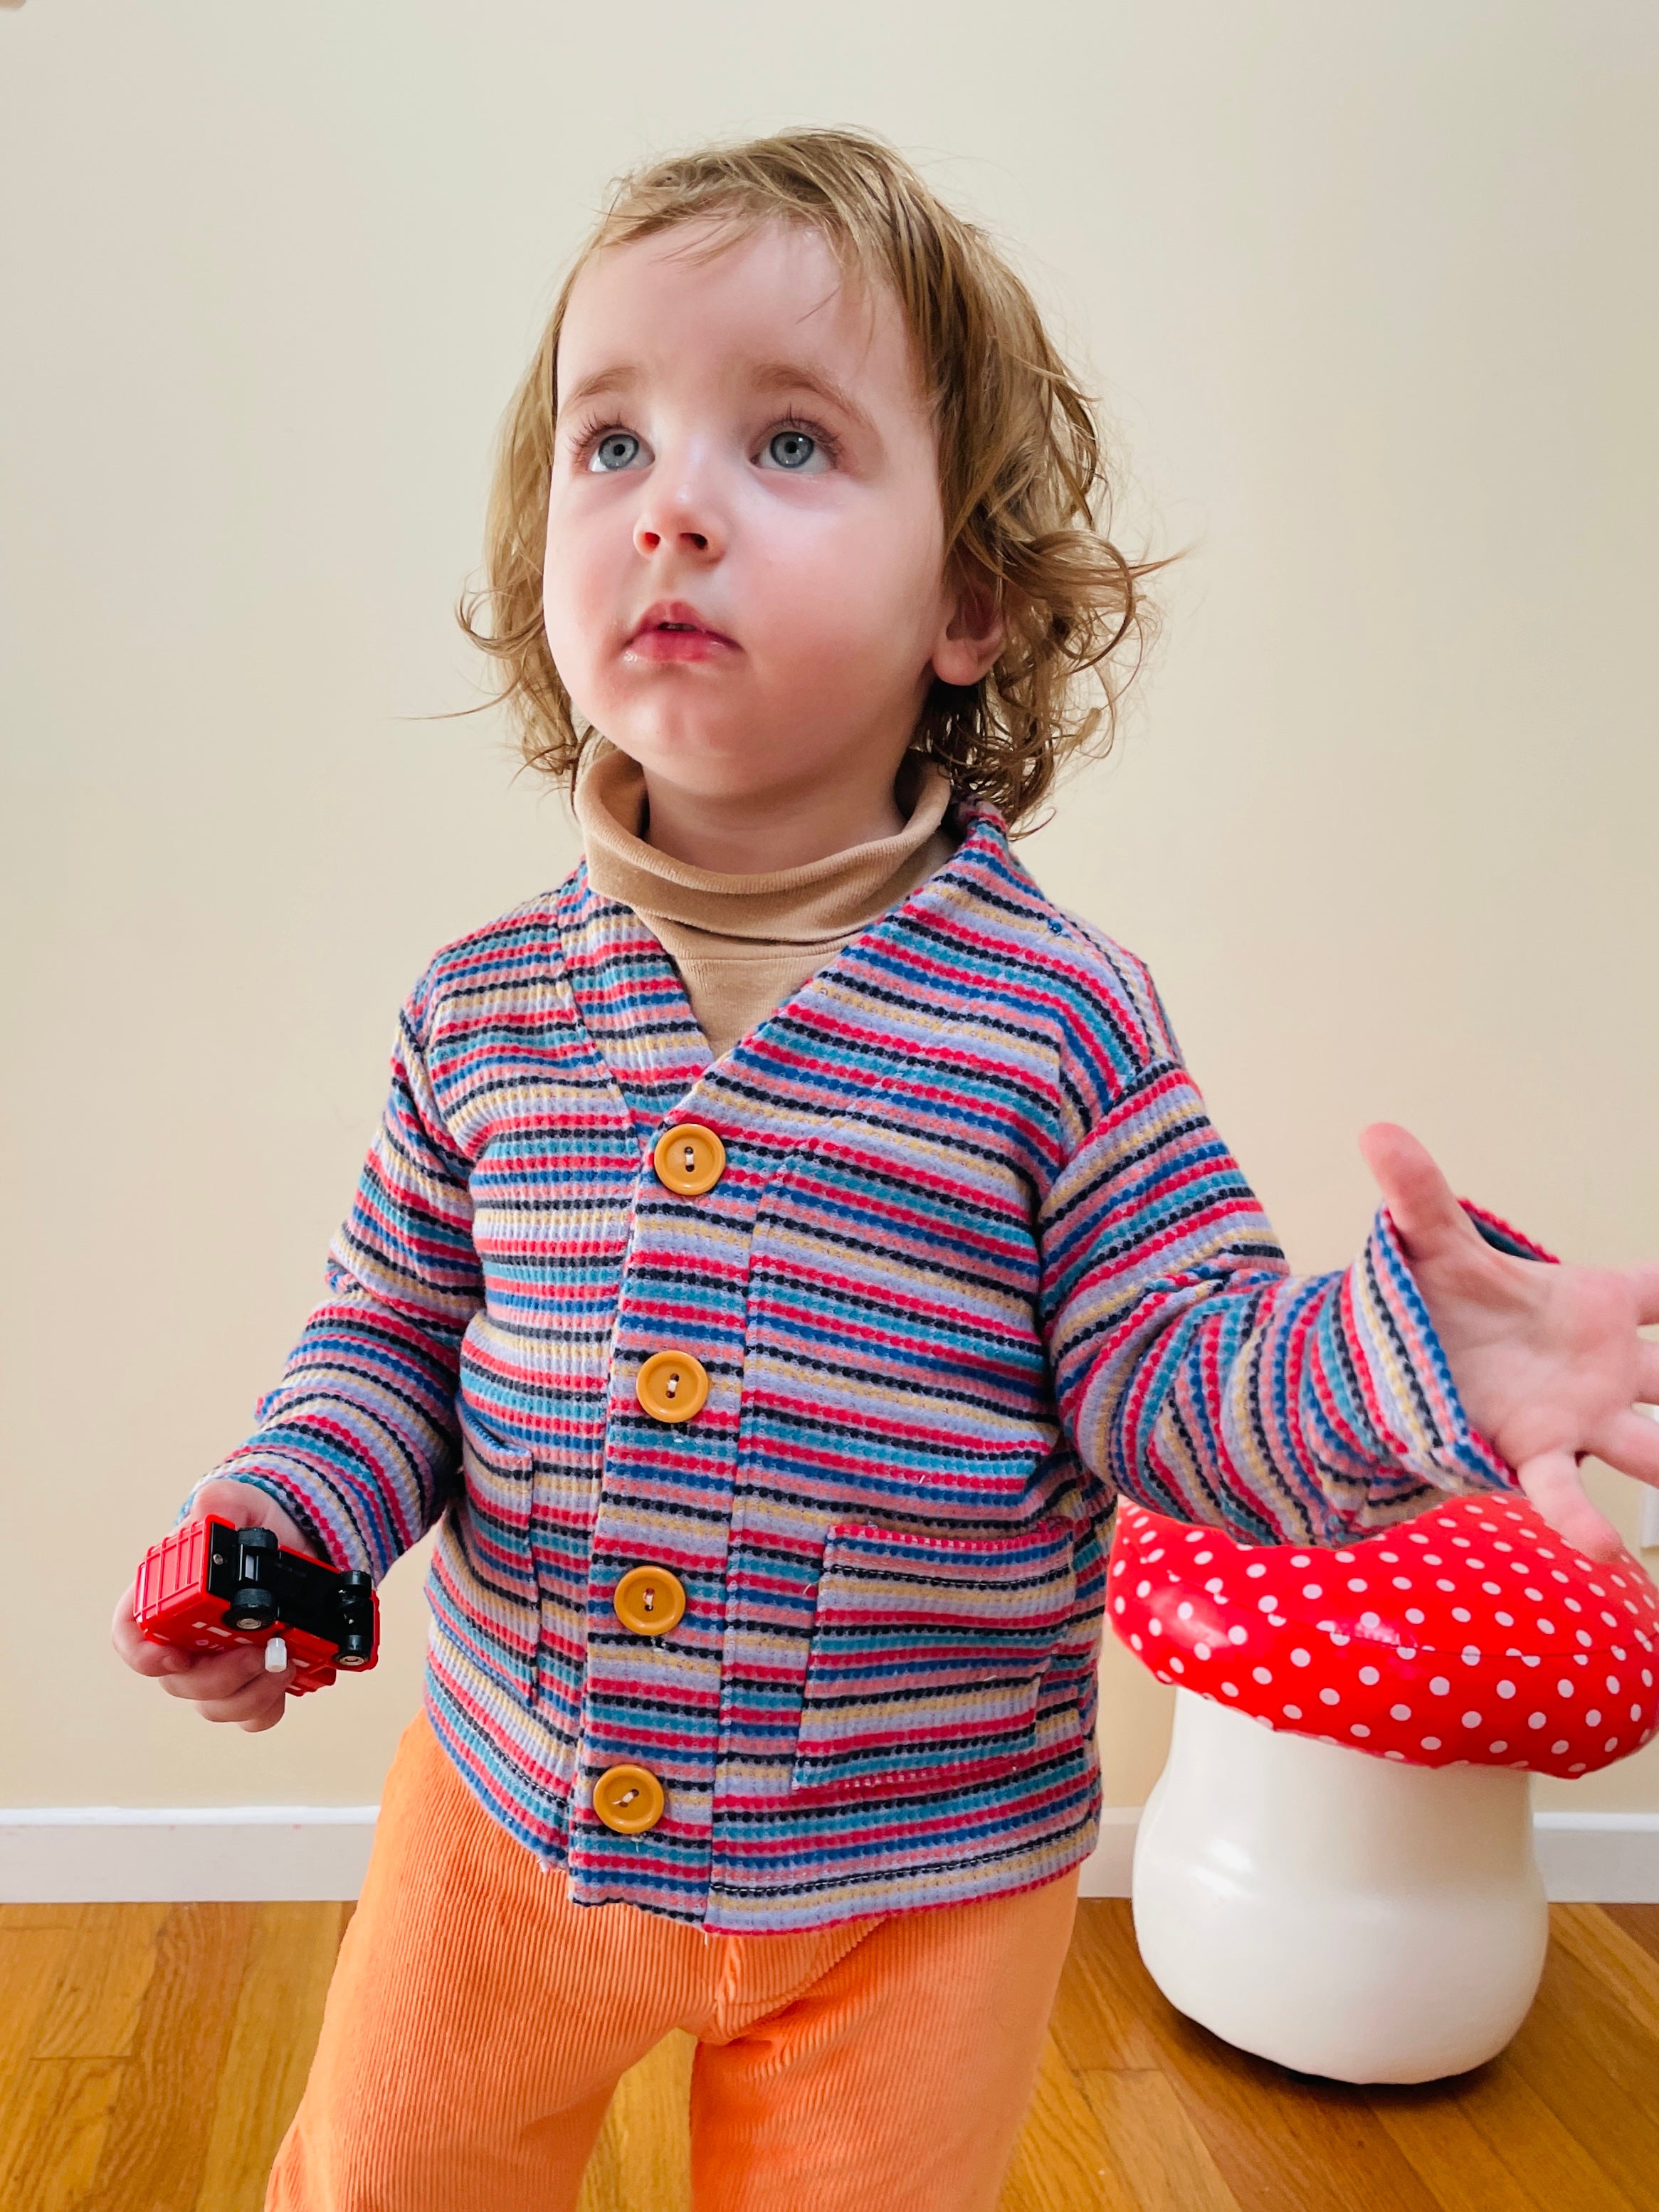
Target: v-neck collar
634	1007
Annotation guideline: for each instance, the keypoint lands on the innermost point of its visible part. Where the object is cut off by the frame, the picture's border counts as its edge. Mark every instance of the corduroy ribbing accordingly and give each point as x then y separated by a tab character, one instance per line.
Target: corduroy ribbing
478	2021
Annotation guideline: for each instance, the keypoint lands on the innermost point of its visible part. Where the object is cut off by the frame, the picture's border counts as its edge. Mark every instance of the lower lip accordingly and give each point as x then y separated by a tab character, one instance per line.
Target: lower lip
679	645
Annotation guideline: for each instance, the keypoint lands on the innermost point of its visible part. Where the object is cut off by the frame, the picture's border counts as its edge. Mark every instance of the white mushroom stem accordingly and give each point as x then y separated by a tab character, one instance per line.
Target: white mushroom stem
1345	1915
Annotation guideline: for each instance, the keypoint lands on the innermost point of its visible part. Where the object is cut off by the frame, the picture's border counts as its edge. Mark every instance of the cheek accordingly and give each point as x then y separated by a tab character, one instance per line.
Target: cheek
578	586
864	584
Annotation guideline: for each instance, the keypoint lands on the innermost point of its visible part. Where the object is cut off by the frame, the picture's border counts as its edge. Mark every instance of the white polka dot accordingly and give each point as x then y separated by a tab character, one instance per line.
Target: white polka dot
1238	1636
1155	1628
1613	1684
1431	1743
1292	1712
1312	1589
1231	1688
1443	1584
1346	1558
1267	1604
1118	1604
1440	1685
1183	1611
1556	1749
1300	1559
1260	1674
1368	1674
1200	1650
1329	1698
1612	1744
1300	1658
1563	1689
1462	1612
1255	1573
1546	1628
1471	1720
1471	1655
1357	1582
1506	1689
1400	1712
1402	1581
1413	1615
1497	1747
1359	1728
1505	1620
1536	1720
1136	1644
1593	1718
1143	1590
1214	1585
1492	1590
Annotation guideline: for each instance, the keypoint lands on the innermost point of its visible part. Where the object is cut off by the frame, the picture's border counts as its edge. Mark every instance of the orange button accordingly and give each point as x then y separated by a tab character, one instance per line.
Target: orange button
673	1386
689	1159
650	1601
629	1799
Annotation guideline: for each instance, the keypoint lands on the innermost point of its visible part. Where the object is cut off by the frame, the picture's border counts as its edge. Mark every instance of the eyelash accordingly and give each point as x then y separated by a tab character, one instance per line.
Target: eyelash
586	434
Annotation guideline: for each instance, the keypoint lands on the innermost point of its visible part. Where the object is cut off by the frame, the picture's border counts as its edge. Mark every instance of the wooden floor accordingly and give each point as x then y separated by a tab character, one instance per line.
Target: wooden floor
151	2057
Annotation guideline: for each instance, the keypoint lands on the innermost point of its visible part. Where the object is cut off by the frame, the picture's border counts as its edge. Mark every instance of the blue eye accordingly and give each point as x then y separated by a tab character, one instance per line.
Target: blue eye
791	449
617	449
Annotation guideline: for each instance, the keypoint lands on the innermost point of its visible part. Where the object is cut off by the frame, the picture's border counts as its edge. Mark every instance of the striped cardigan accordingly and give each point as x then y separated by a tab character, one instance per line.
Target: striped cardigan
977	1262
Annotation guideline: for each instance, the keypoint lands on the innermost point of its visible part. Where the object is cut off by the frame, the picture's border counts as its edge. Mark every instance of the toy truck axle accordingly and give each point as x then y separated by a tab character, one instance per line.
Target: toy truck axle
210	1585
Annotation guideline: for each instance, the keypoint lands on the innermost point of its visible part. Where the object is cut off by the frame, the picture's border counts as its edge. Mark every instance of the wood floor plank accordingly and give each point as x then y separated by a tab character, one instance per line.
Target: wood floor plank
33	1954
108	1961
1580	2052
1533	2144
1640	1921
1165	2158
1282	2142
61	2115
279	2011
156	2141
1457	2162
1096	2023
1063	2161
642	2162
1618	1961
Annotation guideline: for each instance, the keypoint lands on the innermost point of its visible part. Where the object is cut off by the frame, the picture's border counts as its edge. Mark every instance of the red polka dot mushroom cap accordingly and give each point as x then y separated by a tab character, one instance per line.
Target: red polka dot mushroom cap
1471	1635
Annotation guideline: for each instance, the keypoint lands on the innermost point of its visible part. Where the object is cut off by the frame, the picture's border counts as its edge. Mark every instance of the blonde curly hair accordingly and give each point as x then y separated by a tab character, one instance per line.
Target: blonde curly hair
1023	477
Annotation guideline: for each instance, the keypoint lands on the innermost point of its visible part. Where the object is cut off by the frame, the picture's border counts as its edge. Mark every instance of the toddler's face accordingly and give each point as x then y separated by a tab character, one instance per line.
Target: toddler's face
743	583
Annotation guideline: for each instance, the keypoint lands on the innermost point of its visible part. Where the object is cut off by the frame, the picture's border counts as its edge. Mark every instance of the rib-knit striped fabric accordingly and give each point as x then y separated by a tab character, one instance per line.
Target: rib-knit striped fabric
978	1261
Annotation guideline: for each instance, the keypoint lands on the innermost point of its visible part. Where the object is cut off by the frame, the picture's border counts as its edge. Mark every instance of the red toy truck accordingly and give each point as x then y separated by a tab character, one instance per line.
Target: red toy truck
209	1584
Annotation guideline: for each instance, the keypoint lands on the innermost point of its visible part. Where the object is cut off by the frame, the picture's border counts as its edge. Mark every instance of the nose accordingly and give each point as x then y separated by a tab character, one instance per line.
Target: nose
678	517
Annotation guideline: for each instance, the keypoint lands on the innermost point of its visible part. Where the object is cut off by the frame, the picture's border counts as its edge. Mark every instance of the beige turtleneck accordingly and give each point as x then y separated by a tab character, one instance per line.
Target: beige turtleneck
742	944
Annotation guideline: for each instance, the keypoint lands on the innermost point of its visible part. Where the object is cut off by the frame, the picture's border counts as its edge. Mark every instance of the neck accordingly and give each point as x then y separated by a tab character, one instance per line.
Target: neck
761	833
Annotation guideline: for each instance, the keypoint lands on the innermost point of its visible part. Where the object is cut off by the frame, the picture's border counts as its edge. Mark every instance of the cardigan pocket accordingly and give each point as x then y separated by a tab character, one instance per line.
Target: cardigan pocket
928	1653
495	1577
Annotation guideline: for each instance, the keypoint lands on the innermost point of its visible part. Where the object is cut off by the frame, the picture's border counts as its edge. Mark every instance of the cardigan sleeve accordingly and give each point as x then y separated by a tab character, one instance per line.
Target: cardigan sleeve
359	1441
1195	1374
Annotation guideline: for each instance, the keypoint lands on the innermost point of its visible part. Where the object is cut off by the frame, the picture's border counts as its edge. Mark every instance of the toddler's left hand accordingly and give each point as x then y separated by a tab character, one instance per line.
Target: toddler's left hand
1546	1359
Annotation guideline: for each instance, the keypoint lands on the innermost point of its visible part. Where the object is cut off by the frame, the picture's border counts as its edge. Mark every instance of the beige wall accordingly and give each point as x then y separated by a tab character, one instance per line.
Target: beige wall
1370	293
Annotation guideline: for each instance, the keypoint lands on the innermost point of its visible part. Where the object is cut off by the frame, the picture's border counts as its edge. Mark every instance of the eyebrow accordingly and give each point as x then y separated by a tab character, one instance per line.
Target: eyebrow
770	376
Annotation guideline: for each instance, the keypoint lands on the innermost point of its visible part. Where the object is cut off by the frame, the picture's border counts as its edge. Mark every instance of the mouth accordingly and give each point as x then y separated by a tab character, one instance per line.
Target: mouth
672	630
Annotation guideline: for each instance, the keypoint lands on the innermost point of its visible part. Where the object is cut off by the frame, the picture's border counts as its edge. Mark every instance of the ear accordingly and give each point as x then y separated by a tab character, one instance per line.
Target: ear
972	633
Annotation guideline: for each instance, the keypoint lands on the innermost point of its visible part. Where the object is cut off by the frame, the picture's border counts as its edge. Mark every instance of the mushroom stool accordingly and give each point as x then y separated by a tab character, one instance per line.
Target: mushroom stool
1335	1869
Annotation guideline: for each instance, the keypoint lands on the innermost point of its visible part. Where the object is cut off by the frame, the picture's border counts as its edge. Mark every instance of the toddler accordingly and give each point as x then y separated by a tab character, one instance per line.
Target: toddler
784	1241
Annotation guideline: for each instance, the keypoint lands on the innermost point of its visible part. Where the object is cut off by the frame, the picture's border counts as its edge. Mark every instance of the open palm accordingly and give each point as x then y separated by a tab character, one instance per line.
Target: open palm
1548	1360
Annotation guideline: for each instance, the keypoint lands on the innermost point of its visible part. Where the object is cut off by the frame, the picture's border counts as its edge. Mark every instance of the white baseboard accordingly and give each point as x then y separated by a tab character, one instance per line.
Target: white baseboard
119	1855
115	1855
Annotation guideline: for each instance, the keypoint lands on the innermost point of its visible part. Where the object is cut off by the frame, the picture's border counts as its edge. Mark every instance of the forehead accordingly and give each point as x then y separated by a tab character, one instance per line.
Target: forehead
702	299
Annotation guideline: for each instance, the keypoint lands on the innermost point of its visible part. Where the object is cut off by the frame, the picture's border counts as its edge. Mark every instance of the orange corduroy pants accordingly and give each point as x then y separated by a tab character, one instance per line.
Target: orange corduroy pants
478	2022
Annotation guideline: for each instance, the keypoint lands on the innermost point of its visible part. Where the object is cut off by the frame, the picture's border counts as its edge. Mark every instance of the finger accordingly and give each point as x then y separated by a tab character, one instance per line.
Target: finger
1422	1202
1645	1282
1553	1482
134	1649
260	1701
219	1674
1647	1372
1630	1442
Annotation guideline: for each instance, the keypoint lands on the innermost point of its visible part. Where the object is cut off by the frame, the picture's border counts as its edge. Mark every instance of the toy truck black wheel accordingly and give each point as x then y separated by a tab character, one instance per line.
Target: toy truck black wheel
252	1607
356	1619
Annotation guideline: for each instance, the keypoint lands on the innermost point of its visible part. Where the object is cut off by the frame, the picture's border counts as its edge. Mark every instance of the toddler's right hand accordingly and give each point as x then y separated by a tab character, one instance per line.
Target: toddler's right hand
231	1684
